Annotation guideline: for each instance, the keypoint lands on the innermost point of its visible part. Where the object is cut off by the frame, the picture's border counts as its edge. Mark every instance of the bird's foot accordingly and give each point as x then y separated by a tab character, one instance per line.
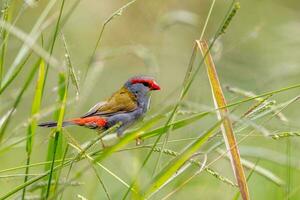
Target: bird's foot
138	141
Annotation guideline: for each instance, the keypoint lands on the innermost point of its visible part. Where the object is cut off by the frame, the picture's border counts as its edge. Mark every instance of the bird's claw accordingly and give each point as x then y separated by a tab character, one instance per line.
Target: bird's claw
139	141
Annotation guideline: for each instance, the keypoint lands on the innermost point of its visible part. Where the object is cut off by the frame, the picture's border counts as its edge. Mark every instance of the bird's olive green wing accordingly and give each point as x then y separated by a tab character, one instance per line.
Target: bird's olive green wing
120	102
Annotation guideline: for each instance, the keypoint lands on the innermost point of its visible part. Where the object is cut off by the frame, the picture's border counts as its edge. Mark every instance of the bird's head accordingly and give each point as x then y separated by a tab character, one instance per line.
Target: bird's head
141	84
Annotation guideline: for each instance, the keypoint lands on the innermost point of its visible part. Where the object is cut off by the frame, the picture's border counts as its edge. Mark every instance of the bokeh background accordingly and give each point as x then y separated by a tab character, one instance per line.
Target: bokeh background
259	53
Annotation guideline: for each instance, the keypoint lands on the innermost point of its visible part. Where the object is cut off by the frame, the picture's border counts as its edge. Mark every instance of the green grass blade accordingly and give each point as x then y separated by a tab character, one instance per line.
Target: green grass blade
56	147
175	164
12	144
3	32
17	17
15	74
35	109
60	168
70	12
56	29
31	165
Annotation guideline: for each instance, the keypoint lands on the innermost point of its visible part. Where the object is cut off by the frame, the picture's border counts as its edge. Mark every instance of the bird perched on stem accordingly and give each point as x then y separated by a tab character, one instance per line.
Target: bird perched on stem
125	106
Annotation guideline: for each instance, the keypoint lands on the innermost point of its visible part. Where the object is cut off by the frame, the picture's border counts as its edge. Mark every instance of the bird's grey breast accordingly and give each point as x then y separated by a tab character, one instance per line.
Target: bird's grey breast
127	119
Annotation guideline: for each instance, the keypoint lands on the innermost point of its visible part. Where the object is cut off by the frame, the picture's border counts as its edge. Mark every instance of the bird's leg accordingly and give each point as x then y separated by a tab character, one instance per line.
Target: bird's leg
120	133
101	140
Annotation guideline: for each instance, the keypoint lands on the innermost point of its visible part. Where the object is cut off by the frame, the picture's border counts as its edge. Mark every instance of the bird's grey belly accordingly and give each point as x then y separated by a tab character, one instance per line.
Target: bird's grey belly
126	120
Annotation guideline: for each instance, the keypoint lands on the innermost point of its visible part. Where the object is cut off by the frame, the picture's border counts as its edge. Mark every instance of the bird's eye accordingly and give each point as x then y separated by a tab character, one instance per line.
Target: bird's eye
146	84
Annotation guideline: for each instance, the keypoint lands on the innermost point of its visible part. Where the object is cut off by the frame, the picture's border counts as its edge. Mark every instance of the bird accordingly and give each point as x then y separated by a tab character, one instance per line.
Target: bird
126	106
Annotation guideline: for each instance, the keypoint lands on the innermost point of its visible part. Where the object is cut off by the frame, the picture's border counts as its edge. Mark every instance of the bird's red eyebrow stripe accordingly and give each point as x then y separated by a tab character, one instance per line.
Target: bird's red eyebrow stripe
139	80
151	83
101	122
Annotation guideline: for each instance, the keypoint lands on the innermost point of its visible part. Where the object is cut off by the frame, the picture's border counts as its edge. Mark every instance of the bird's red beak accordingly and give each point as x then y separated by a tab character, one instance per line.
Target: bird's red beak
155	86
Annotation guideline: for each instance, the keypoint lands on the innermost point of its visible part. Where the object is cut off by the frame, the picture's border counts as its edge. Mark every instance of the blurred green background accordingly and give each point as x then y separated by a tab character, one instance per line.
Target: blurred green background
259	53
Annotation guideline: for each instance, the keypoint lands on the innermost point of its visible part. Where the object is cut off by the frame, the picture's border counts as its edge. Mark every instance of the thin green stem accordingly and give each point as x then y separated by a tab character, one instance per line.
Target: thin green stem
52	164
98	42
207	19
61	167
55	33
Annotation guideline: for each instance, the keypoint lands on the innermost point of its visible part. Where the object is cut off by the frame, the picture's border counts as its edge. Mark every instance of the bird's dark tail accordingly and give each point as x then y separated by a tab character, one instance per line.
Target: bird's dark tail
54	124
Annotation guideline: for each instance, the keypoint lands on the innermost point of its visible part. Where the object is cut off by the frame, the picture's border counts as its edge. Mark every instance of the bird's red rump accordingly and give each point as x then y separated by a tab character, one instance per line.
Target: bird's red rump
99	121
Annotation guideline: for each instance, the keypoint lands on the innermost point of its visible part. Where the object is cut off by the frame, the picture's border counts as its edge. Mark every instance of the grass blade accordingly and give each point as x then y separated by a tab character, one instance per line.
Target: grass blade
227	129
3	32
35	109
58	131
72	73
15	74
175	164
